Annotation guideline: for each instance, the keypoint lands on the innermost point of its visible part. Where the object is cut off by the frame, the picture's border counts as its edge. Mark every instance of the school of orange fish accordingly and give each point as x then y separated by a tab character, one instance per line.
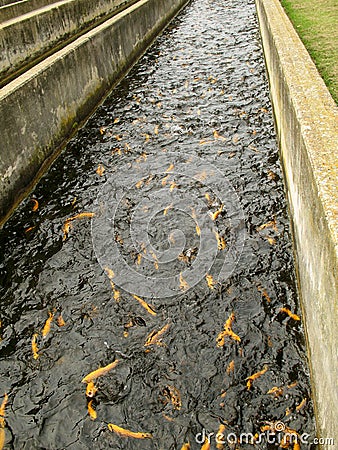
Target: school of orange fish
156	336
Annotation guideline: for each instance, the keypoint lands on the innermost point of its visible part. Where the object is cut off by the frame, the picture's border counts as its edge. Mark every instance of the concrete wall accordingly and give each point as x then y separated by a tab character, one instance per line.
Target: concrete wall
6	2
16	9
40	109
24	38
307	123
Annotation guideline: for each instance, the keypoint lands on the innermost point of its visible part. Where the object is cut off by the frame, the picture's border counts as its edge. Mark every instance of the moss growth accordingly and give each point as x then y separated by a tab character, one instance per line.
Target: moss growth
316	22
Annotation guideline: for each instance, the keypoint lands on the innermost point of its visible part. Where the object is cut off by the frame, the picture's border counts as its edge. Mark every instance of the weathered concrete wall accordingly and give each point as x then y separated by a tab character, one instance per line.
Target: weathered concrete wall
6	2
16	9
39	109
307	123
24	38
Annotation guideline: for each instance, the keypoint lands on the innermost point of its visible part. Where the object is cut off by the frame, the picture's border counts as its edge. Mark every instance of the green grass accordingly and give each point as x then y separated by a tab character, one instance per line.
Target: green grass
316	22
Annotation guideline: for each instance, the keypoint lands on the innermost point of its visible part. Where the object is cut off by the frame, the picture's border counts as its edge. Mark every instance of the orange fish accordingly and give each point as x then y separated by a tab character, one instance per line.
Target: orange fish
272	224
276	391
100	170
172	394
127	433
290	314
127	326
208	197
198	230
197	227
91	389
67	225
218	136
138	259
227	332
185	446
2	437
165	211
211	282
46	328
221	244
264	293
270	239
154	336
267	427
220	437
66	229
173	185
139	184
183	284
99	372
145	305
216	213
272	175
82	216
231	367
109	272
91	411
2	410
116	292
256	375
289	436
206	445
117	295
35	349
155	259
168	418
35	205
301	405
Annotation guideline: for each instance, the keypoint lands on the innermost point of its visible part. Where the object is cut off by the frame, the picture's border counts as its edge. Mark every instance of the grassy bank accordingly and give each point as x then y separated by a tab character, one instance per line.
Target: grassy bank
316	22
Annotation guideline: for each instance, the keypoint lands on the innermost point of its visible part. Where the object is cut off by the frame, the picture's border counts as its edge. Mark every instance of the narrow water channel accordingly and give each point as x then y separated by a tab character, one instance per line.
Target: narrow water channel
160	238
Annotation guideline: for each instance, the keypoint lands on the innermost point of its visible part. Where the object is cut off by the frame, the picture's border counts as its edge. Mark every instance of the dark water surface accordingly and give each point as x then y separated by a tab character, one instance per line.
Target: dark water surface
187	133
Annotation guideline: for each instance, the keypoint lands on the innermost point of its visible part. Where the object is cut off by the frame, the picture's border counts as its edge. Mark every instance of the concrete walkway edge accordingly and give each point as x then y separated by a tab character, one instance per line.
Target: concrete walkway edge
307	125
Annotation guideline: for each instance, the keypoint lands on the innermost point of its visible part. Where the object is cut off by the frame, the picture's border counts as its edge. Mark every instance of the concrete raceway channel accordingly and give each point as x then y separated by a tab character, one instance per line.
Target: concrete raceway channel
50	41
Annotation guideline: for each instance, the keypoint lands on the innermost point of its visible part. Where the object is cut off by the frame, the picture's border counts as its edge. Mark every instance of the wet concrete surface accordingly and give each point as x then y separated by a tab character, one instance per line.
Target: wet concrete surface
191	124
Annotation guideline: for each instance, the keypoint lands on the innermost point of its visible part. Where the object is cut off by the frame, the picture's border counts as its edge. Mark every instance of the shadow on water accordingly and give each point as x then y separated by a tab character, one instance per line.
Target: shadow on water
200	91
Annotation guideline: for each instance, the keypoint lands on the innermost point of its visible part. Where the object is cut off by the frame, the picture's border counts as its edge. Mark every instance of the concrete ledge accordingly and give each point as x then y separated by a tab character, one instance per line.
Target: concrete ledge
6	2
29	36
40	109
16	9
307	124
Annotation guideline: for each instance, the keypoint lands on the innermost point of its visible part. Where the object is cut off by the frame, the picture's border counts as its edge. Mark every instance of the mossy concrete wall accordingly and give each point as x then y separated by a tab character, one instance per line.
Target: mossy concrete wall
40	109
25	38
16	9
6	2
307	124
